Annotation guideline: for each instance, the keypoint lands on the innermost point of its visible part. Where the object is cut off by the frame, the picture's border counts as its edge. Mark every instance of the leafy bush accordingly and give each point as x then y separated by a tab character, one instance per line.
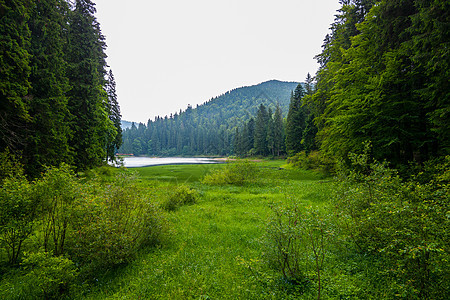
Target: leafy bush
314	160
298	242
404	224
110	225
18	210
237	172
182	195
48	277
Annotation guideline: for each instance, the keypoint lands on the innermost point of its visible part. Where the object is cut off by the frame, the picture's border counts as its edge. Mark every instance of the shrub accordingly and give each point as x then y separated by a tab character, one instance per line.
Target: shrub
235	172
182	195
404	224
315	160
48	277
112	223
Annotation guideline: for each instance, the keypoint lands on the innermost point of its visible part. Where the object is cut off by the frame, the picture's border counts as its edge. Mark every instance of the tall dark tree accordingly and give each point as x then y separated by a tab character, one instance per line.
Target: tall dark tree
14	74
261	128
48	139
295	122
278	132
91	125
114	140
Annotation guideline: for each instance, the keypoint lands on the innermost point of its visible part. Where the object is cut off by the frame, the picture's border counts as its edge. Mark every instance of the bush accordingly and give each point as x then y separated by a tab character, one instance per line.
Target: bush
48	277
235	172
182	195
315	160
404	225
111	224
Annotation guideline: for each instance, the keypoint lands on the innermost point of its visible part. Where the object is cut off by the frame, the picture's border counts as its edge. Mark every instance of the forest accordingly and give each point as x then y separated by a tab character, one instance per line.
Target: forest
334	188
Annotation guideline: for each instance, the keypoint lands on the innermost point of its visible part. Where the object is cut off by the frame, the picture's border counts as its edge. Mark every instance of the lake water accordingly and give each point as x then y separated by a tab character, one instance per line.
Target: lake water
135	162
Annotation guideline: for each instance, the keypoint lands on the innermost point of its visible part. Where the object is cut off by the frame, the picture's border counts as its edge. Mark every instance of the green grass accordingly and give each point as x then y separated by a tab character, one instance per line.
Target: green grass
212	242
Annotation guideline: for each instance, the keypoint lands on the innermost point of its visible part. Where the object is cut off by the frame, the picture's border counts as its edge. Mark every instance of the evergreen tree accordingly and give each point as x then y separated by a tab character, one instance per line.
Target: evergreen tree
48	139
295	123
261	128
115	141
14	74
91	125
278	132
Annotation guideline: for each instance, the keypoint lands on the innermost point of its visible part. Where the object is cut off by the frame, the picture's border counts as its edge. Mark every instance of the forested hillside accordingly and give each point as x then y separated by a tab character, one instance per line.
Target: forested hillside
57	98
208	129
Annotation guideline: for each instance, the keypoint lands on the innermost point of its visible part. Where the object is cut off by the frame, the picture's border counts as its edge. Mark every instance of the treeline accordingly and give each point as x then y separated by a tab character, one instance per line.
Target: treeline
57	99
383	78
210	128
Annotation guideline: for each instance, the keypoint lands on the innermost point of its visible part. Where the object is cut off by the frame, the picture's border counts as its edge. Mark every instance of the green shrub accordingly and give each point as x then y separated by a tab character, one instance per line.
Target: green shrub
404	224
234	172
48	277
110	224
315	160
182	195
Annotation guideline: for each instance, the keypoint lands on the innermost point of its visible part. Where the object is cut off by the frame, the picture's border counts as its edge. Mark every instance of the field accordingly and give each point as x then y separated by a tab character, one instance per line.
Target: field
215	246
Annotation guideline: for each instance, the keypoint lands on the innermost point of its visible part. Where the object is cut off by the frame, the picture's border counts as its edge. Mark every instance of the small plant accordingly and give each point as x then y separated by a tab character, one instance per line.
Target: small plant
235	172
183	195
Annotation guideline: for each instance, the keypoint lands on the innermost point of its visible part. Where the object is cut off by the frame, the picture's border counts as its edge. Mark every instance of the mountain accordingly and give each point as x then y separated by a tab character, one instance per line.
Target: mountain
209	128
125	124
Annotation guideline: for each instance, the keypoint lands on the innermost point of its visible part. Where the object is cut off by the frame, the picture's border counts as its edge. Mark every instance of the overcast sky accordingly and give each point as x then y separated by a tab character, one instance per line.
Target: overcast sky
170	53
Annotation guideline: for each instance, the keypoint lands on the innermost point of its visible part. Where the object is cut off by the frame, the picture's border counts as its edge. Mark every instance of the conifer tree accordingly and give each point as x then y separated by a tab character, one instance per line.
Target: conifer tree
91	125
295	123
261	127
114	141
14	74
48	139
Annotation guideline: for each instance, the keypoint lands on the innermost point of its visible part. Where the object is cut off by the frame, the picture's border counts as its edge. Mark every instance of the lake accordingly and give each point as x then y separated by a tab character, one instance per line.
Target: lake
136	162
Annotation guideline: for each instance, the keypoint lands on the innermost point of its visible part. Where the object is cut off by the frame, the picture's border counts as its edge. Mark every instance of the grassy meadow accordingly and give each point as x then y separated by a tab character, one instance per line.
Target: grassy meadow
215	244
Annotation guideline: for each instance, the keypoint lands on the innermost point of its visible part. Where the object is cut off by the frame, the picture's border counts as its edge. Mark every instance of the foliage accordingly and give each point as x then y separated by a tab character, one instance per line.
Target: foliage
47	276
111	224
237	172
18	209
315	160
55	104
403	224
182	195
208	129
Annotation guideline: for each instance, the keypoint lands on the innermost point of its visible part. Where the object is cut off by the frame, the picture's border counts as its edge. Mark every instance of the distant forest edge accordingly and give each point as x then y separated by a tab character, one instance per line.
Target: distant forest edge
212	128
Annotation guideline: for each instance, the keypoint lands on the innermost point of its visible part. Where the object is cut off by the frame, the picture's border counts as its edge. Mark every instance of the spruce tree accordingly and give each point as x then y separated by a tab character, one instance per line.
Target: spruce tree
115	141
48	139
14	74
91	125
295	123
261	127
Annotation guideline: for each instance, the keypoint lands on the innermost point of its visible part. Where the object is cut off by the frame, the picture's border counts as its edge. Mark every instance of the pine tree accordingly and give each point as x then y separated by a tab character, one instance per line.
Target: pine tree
48	139
114	141
278	131
91	125
14	74
261	127
295	123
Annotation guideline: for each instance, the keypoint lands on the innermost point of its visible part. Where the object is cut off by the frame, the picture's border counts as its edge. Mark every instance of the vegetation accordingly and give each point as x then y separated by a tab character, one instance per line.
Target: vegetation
56	103
208	129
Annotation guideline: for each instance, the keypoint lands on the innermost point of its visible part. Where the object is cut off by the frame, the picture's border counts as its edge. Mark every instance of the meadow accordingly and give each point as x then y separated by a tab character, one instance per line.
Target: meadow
214	241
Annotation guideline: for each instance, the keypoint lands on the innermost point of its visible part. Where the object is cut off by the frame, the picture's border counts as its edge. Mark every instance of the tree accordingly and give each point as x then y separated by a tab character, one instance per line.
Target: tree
87	99
295	123
261	128
278	132
14	75
114	141
48	138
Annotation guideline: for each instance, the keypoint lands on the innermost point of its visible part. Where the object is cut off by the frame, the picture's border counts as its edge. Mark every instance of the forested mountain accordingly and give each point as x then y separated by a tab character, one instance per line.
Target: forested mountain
57	100
210	128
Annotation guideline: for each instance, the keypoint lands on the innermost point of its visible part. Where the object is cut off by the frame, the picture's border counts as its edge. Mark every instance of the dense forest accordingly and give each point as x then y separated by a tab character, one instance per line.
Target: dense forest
57	98
208	129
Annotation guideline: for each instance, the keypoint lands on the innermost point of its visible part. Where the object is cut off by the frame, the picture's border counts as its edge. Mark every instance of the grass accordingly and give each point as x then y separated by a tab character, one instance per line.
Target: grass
212	241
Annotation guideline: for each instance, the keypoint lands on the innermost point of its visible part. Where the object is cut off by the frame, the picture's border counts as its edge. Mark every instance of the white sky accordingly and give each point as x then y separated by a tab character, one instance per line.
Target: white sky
170	53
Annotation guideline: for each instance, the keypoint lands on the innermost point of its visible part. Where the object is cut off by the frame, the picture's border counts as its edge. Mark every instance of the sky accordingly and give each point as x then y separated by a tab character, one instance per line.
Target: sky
168	54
